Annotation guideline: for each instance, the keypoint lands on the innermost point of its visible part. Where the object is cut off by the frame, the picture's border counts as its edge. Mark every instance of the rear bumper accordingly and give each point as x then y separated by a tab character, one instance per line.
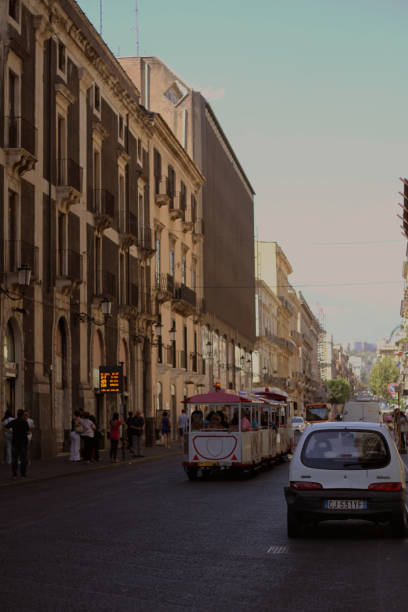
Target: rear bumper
380	505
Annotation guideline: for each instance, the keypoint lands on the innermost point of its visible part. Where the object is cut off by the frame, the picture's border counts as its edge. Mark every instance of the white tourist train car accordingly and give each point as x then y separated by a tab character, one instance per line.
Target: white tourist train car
242	432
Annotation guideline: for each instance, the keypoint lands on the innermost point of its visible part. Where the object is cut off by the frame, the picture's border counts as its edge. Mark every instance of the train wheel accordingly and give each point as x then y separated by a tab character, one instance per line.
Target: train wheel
192	472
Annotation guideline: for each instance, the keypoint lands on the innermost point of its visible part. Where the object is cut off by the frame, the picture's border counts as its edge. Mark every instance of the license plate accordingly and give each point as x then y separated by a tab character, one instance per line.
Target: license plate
207	463
345	504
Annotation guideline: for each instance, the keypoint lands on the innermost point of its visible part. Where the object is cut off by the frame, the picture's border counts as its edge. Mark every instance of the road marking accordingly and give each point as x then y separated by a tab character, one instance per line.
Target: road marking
277	550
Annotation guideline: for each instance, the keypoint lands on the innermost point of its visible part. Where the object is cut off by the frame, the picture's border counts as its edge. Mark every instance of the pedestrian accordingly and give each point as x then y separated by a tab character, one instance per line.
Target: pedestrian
182	426
75	436
403	431
19	429
115	426
8	436
165	429
129	432
30	435
137	425
88	436
96	439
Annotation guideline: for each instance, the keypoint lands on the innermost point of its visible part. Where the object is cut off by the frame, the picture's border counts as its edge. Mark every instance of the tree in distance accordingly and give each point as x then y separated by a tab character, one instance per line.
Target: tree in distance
339	390
383	372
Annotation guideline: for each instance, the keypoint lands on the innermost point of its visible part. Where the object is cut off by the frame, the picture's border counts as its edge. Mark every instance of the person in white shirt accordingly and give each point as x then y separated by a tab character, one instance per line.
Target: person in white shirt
182	426
8	436
30	434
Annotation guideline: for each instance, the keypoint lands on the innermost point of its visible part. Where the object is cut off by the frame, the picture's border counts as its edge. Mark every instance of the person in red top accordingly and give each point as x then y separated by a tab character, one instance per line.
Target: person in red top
114	435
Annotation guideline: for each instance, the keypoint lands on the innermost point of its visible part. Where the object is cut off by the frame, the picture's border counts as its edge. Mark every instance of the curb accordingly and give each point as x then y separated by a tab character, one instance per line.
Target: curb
19	483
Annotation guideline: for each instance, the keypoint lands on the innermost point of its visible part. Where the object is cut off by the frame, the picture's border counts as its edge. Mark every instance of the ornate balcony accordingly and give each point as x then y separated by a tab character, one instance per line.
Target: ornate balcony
145	242
128	230
69	183
21	145
161	191
69	266
184	301
147	308
103	207
164	287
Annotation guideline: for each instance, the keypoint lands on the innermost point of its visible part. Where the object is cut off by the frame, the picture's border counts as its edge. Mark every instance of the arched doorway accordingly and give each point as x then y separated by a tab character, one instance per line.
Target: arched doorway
97	361
63	413
12	368
123	360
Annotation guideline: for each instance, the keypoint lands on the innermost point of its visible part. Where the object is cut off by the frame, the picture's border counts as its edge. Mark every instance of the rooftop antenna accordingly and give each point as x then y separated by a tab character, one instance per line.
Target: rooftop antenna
100	17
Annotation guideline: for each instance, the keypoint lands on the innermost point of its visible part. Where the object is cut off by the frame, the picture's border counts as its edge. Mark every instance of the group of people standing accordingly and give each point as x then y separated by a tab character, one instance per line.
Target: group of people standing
86	433
18	433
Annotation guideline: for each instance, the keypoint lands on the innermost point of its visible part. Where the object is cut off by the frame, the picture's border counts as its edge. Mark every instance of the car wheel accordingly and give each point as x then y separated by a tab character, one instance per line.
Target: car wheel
399	525
192	472
293	524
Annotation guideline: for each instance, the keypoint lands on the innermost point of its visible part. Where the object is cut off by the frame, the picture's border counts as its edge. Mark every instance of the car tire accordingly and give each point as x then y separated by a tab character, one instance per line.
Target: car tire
293	524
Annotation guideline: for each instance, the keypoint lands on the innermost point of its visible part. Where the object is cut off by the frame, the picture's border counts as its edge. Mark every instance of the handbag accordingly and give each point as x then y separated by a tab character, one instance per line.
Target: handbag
79	428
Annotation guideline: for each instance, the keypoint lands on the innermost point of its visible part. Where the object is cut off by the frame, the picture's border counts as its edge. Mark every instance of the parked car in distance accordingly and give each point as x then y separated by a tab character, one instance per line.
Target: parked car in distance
343	470
298	423
366	410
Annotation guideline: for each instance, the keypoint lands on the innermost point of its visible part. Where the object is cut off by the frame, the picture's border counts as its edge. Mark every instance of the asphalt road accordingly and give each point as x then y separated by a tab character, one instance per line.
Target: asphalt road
144	538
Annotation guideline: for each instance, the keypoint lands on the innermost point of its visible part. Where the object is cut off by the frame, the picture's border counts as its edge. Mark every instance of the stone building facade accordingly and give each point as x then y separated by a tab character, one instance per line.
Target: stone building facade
224	214
79	207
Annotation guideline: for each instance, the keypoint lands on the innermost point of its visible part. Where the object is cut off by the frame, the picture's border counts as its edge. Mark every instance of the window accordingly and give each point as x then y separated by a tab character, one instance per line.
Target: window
14	8
141	217
193	209
62	61
122	204
194	275
139	149
97	181
171	260
157	171
171	185
122	279
13	109
345	450
96	99
120	128
61	150
183	196
98	265
184	268
13	215
157	256
62	244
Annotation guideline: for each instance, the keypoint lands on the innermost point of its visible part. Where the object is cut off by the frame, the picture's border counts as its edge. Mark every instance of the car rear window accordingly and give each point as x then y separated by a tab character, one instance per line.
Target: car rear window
345	449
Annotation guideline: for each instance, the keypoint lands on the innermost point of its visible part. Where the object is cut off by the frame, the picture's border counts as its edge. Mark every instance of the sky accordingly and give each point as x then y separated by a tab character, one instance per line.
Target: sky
312	95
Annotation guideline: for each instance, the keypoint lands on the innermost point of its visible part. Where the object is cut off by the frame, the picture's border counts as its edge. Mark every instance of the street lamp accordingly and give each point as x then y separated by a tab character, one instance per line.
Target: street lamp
106	308
23	280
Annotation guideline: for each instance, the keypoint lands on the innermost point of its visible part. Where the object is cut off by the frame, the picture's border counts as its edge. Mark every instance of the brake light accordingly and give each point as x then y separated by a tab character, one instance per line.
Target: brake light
385	486
302	485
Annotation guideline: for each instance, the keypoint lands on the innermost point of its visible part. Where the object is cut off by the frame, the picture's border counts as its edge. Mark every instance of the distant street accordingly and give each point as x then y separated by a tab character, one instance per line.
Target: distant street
144	538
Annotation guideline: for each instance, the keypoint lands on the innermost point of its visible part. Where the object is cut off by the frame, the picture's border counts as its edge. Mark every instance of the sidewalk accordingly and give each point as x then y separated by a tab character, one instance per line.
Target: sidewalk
58	467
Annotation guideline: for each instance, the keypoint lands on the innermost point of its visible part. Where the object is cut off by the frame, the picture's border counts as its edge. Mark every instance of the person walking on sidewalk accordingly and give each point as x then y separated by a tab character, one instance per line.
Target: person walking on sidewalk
137	425
166	429
8	436
182	426
76	430
88	436
114	433
19	429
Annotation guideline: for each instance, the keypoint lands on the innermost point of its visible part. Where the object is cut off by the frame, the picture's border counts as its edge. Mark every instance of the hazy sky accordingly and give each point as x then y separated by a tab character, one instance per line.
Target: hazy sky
313	96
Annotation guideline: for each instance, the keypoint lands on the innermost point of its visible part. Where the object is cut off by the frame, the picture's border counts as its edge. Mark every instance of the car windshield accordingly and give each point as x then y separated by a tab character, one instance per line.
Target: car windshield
345	450
316	413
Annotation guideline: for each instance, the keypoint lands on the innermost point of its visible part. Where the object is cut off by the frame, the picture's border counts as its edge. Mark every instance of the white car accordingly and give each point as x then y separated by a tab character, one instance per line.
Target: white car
298	423
346	470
